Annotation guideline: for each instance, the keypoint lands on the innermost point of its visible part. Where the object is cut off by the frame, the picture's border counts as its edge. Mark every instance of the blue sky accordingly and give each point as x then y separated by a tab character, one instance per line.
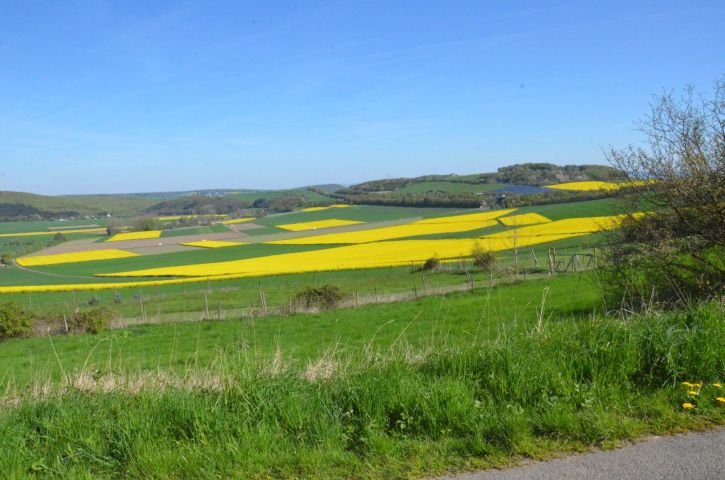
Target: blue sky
150	96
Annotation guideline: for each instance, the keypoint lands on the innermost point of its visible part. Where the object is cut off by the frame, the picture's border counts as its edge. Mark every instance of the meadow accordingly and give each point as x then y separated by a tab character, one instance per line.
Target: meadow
436	385
213	368
237	296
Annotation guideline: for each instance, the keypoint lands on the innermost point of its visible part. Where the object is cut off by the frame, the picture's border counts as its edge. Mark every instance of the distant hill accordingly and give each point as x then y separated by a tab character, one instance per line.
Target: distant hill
29	205
521	183
522	180
327	188
532	174
269	200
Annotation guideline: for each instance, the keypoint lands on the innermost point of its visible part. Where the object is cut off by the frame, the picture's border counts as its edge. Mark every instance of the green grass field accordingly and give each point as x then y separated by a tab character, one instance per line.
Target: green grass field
201	230
306	336
361	213
403	390
21	245
42	226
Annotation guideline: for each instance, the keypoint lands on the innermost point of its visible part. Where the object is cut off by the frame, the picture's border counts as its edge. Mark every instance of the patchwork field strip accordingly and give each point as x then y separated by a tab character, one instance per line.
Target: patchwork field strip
523	219
314	225
436	225
358	255
64	232
213	244
382	254
74	257
179	217
592	185
319	209
119	237
235	221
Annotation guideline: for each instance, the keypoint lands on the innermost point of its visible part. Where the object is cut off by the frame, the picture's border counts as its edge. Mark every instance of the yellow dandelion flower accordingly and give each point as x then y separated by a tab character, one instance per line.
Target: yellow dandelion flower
687	384
717	385
688	406
698	385
720	399
693	392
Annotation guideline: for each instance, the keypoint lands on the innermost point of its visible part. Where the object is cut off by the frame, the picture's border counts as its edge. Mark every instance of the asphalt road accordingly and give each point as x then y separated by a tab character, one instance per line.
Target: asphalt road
695	456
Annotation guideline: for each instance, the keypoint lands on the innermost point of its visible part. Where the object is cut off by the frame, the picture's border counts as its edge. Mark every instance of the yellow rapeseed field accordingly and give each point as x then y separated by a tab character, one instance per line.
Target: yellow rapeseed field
464	218
523	219
70	287
238	220
380	254
428	226
314	225
585	186
135	236
549	232
319	209
213	244
74	257
33	234
367	255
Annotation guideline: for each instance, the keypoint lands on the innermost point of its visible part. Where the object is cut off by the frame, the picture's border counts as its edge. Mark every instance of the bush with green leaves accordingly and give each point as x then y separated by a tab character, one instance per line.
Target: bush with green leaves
323	297
6	259
91	321
676	253
431	264
483	259
14	321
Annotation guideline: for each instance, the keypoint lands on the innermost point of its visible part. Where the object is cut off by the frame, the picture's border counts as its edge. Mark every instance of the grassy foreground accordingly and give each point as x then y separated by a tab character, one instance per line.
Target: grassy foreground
422	402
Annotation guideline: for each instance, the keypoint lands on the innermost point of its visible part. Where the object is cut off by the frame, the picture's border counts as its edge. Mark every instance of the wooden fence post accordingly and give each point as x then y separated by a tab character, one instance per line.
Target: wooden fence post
263	302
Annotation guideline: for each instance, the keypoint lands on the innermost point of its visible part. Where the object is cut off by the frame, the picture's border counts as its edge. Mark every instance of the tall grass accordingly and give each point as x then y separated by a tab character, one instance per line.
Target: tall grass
403	411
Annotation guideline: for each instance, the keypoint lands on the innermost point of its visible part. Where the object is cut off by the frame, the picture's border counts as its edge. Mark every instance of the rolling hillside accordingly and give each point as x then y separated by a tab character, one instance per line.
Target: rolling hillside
118	205
451	190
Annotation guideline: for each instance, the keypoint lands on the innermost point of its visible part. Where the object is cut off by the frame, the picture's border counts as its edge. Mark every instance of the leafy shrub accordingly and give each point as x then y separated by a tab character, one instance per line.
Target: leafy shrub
91	321
324	297
431	264
482	259
676	253
6	259
14	321
145	224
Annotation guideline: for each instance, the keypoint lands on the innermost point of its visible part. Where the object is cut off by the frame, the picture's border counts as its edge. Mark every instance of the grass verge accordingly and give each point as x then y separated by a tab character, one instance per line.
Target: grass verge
395	410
